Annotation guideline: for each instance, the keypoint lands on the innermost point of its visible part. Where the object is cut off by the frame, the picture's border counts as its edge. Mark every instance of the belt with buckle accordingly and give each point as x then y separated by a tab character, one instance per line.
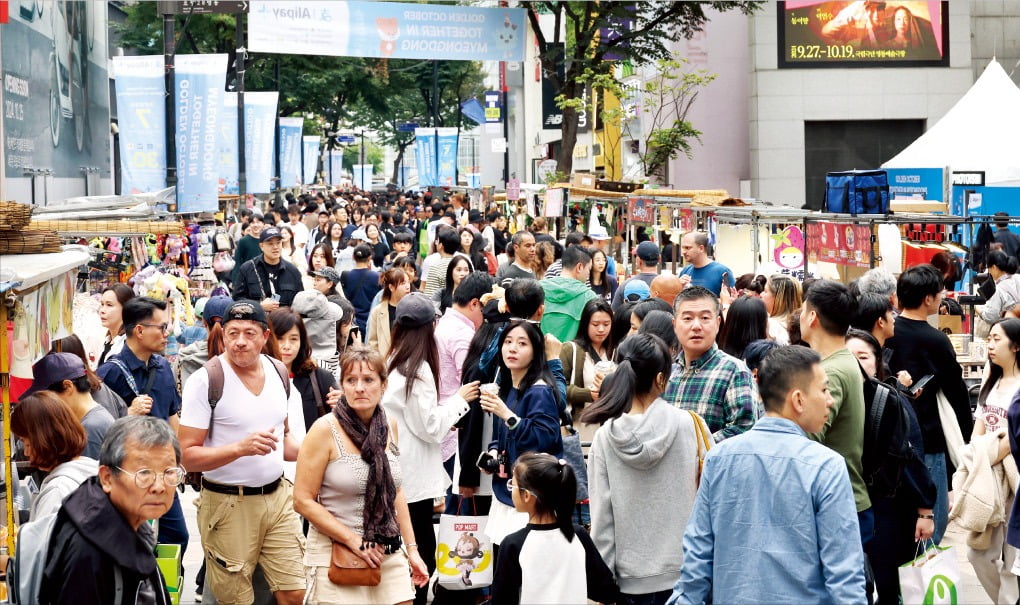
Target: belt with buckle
241	490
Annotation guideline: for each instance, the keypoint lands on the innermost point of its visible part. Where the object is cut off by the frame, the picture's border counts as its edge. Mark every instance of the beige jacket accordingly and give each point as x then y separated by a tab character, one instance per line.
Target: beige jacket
379	328
984	493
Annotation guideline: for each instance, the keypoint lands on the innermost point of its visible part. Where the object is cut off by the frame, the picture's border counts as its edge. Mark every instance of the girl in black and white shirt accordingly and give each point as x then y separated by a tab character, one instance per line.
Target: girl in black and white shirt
551	560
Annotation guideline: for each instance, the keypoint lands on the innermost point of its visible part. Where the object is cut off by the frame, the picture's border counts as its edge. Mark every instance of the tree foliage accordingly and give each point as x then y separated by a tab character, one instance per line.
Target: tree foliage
653	25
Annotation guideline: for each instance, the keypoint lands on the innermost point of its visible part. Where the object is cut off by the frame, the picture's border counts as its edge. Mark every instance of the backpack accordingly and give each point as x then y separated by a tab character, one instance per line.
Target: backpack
214	368
857	192
221	241
887	446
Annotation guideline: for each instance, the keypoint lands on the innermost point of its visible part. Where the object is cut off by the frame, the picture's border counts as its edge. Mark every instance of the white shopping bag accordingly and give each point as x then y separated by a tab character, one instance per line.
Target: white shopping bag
932	578
463	553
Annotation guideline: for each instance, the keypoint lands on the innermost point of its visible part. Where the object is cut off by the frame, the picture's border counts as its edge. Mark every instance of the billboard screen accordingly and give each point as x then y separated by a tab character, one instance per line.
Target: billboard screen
56	98
863	34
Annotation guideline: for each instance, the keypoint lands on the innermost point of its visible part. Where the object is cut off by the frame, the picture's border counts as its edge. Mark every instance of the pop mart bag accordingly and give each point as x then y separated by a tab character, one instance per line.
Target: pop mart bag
463	553
931	578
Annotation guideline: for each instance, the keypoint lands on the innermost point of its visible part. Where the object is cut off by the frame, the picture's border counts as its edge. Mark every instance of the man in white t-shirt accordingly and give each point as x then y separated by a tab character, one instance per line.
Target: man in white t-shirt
298	228
245	515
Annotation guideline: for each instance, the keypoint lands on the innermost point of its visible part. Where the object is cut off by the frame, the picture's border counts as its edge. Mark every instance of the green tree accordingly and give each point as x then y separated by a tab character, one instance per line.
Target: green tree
653	25
406	94
374	155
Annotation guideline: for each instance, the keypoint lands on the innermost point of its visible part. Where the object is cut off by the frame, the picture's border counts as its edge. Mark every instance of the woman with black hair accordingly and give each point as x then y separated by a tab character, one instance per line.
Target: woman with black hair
472	245
621	321
458	268
294	349
746	321
581	356
642	309
526	418
905	518
544	487
1002	270
660	323
645	446
602	283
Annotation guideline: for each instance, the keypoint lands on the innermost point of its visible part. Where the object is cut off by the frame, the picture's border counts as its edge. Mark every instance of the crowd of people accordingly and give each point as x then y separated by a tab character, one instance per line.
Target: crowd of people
383	359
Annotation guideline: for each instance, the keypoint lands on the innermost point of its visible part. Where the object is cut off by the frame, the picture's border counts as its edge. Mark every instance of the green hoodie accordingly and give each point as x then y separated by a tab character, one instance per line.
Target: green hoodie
565	298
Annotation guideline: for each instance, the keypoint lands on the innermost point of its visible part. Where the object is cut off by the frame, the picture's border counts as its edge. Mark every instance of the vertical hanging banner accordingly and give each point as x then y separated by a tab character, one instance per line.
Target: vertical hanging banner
363	176
259	124
142	121
310	158
447	160
387	30
198	90
290	151
227	146
336	167
425	156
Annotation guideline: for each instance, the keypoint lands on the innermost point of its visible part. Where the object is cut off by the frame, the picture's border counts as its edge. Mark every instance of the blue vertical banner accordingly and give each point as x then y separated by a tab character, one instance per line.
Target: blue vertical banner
198	90
290	151
425	157
363	176
310	158
142	121
447	160
259	127
227	146
335	174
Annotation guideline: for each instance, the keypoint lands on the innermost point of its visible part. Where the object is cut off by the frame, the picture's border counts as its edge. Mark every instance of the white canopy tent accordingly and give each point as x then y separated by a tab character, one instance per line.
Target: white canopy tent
980	132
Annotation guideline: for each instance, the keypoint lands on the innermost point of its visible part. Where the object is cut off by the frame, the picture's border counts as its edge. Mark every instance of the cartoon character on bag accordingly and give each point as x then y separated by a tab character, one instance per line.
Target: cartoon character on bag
467	549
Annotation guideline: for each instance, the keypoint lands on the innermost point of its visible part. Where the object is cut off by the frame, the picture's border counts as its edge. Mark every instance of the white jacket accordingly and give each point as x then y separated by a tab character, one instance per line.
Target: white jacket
984	493
421	425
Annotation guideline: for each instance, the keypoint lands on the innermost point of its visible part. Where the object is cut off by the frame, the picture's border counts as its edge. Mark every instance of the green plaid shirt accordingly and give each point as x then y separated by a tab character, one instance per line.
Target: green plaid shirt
720	389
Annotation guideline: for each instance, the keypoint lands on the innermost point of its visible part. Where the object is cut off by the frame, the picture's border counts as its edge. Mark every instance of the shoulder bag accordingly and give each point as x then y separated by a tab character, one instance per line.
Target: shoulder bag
704	444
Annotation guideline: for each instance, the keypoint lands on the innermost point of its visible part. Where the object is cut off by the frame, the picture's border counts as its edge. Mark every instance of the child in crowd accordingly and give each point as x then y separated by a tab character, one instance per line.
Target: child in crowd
552	560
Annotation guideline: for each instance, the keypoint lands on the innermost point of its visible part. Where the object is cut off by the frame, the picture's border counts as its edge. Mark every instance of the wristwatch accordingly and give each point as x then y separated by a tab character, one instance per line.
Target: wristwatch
512	422
932	517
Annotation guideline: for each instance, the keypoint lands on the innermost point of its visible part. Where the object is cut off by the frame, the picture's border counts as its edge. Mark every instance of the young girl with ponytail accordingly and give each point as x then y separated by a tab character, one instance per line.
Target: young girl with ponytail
644	447
551	560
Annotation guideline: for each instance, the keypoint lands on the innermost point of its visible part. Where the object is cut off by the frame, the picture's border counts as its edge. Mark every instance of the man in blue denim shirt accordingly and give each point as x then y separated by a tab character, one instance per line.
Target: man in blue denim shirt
774	520
143	379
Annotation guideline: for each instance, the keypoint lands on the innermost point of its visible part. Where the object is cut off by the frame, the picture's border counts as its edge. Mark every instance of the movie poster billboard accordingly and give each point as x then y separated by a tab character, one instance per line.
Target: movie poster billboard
56	99
908	33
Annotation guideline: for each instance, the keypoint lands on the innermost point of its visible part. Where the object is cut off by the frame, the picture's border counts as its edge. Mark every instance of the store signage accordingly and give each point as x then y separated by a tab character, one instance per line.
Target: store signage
924	183
641	210
513	189
840	243
970	178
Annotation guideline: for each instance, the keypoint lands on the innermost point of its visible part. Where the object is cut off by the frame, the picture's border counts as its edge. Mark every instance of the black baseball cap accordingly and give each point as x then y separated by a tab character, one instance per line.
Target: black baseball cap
244	309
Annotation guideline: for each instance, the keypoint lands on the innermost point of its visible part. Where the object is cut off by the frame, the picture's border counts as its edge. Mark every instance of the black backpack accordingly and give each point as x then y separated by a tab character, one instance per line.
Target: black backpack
887	448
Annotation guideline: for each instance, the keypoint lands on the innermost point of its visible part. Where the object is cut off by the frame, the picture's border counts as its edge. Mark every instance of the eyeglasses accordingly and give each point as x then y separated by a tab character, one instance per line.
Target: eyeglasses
162	327
144	478
511	486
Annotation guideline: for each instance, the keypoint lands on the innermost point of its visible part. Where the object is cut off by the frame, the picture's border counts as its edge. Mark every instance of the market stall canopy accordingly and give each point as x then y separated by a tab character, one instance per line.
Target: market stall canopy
137	206
22	271
980	132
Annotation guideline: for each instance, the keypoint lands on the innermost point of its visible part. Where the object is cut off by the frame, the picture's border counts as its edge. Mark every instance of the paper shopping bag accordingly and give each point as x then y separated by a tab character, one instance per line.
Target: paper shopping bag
931	578
463	553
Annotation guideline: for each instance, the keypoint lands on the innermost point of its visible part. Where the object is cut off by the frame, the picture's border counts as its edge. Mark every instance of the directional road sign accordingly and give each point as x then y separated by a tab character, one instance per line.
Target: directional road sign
203	7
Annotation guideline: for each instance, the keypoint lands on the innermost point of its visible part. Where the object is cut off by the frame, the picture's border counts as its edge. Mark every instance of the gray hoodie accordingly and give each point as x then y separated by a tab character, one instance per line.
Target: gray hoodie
641	480
61	481
320	318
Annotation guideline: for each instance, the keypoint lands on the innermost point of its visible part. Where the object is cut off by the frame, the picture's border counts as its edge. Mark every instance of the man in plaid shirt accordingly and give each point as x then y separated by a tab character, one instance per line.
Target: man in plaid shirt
706	380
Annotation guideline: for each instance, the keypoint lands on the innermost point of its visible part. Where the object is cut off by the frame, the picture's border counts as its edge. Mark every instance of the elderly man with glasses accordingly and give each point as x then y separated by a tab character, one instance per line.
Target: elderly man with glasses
143	378
101	547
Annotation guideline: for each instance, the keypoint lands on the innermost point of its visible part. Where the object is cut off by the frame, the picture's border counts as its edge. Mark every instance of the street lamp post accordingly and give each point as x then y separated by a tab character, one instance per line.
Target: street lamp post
363	159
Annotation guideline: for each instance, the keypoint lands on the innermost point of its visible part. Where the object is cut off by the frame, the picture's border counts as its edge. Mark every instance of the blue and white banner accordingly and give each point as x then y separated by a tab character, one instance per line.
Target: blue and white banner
922	183
227	146
290	151
363	176
259	124
387	30
198	89
142	121
447	156
335	174
425	157
310	158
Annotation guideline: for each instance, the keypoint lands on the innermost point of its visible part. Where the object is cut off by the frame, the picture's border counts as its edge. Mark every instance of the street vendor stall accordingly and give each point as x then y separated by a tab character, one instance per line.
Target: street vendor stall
37	291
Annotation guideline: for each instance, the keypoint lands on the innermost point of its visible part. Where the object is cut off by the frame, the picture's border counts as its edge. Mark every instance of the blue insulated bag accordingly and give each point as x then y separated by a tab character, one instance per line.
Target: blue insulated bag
857	192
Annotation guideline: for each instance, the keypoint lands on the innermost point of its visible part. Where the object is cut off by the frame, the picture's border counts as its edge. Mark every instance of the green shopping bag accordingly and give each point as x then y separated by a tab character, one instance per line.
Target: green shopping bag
931	578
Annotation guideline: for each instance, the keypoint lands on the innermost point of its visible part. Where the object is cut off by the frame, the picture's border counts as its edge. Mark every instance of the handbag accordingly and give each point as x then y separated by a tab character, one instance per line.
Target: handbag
704	443
463	552
574	456
223	262
346	568
931	577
